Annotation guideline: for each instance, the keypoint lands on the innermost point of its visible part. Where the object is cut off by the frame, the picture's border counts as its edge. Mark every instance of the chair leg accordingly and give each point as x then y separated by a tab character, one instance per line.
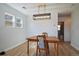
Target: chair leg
47	48
39	52
36	51
46	52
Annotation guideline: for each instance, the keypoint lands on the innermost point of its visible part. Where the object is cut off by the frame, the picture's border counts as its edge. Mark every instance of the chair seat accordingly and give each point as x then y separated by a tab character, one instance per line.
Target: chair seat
41	44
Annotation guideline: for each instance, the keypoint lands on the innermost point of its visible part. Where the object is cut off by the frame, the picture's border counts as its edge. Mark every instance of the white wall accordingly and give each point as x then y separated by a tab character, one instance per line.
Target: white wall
38	26
11	37
75	28
67	27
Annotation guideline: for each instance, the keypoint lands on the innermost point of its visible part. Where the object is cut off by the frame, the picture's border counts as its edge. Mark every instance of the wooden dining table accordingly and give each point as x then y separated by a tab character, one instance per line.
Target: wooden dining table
50	39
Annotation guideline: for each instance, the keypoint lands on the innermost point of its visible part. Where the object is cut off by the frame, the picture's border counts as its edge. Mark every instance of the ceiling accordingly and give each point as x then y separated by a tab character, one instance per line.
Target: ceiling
23	7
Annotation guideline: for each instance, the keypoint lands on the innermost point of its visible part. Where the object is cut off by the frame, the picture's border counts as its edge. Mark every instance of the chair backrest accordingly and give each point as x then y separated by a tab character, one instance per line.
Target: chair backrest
45	33
41	43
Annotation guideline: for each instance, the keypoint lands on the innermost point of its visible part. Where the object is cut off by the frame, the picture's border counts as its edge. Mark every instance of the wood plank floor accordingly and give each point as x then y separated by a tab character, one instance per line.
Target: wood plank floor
65	49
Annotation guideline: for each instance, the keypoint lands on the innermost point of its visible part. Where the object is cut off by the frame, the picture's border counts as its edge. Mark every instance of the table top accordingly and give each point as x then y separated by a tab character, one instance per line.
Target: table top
50	39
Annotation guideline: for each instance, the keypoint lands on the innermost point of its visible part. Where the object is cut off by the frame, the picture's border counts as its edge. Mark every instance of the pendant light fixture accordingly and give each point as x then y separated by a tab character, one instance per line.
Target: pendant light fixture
41	16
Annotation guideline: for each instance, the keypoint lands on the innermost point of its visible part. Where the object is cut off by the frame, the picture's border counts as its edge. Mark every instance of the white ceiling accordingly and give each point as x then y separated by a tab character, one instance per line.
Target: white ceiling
19	6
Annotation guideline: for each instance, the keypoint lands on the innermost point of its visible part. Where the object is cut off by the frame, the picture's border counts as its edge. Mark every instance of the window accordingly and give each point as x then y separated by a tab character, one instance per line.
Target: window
13	21
18	22
9	20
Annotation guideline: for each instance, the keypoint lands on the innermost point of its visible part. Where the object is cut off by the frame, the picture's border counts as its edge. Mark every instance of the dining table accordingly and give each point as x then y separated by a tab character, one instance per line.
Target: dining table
50	39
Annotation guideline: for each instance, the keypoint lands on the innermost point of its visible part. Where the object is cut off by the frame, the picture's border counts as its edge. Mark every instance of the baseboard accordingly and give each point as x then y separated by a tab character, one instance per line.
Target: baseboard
75	47
67	41
14	46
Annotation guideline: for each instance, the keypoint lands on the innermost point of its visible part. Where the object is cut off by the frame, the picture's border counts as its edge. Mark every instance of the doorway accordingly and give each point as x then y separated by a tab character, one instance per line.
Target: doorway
64	27
61	31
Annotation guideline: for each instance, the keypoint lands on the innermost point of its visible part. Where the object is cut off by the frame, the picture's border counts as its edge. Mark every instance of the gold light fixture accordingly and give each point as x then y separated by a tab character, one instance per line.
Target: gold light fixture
41	16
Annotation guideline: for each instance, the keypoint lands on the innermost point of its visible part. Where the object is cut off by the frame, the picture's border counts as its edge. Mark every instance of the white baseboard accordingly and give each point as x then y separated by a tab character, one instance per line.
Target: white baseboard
75	47
14	46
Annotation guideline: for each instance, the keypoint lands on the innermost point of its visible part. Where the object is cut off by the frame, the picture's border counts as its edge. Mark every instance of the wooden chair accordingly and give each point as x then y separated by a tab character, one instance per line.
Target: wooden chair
41	44
46	34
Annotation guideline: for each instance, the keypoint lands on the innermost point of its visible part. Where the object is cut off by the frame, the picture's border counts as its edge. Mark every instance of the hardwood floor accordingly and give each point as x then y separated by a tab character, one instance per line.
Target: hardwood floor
65	49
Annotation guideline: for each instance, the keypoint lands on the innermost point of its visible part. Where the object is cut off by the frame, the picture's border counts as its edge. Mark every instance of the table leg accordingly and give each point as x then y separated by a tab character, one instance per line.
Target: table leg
57	48
54	48
28	47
